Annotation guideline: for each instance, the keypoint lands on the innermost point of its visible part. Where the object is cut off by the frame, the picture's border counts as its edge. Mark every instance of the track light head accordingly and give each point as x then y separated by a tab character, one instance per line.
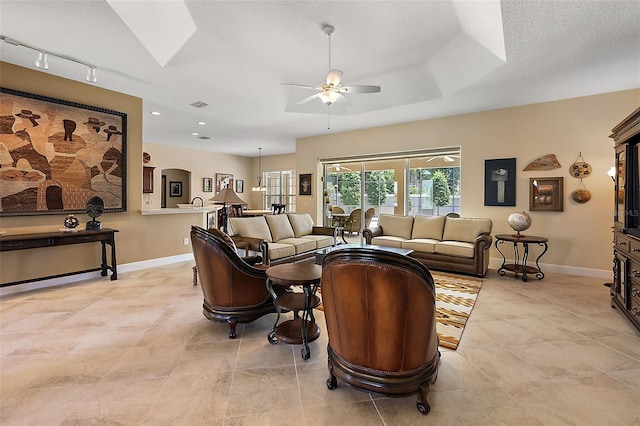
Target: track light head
91	75
42	61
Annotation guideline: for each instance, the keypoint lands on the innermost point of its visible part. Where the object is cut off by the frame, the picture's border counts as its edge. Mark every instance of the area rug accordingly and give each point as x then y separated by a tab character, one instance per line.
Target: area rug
455	297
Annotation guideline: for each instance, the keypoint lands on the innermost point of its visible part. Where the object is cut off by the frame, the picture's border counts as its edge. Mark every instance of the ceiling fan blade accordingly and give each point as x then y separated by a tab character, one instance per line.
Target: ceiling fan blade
304	86
360	89
334	77
305	100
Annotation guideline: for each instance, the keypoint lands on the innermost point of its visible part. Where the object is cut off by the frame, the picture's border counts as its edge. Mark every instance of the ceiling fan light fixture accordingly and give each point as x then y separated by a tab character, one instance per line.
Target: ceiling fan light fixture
328	96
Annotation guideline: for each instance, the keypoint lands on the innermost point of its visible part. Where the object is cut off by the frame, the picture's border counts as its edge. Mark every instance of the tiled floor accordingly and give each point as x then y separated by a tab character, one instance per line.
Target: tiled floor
138	351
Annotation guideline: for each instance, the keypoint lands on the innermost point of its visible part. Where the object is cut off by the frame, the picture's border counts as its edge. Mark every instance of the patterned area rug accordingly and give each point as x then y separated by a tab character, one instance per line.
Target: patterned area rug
455	297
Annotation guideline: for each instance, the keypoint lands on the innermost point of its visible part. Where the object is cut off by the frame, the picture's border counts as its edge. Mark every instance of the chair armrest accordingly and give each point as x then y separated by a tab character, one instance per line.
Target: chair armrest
369	233
483	242
331	231
253	260
254	243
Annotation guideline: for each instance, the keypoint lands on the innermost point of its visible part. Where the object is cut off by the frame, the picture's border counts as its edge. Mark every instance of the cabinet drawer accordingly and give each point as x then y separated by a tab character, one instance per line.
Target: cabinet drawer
635	310
634	248
622	244
24	244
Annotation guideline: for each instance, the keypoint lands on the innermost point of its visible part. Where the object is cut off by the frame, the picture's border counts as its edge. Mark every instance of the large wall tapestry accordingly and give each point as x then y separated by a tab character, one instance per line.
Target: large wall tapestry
56	155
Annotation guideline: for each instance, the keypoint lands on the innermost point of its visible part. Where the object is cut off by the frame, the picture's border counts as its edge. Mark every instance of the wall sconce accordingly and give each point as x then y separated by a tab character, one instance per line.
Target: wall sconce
43	63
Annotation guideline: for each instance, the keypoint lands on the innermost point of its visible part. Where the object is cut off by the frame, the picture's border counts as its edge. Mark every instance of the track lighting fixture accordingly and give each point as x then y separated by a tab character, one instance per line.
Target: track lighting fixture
42	62
43	58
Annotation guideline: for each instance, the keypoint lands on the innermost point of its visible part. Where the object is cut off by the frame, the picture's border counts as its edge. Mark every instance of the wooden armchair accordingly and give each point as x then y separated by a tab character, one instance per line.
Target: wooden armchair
352	224
234	291
381	322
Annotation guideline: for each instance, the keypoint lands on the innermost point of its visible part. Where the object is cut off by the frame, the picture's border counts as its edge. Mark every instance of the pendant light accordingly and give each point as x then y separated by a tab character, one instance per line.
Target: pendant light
259	188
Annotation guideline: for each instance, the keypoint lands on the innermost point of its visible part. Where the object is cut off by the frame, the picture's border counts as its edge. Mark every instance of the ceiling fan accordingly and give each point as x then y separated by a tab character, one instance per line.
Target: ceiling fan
333	90
339	168
446	158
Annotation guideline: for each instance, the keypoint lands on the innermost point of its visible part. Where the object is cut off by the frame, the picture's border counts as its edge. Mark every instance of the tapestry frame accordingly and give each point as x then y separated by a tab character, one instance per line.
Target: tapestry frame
59	176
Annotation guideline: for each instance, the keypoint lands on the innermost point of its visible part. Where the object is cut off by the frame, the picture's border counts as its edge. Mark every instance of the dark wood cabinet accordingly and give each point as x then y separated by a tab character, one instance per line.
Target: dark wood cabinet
625	291
147	179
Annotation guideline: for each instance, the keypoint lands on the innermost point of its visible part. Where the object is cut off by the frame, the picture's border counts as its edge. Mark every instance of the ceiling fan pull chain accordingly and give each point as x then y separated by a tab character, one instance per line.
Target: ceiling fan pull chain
328	117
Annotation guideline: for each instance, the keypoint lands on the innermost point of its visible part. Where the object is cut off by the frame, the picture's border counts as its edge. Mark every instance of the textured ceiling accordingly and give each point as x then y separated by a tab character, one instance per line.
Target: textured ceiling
432	59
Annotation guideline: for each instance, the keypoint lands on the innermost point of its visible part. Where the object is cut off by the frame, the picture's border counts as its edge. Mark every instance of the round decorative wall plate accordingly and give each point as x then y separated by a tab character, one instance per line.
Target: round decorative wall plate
580	170
146	157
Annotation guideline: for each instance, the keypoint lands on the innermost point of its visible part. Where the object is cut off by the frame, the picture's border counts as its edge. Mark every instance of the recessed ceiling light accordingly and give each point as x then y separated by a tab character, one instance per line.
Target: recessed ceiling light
155	113
194	134
202	123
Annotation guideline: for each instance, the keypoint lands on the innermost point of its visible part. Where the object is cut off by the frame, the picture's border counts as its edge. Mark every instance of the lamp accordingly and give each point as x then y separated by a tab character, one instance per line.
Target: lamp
43	56
329	96
612	173
224	197
259	187
42	62
91	75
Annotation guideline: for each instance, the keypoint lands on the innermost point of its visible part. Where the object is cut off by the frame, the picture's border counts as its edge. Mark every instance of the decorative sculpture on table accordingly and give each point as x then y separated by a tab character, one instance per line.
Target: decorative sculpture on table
95	207
71	222
519	221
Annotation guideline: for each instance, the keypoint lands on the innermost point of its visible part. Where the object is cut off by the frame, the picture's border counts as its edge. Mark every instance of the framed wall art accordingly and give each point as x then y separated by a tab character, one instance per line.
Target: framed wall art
207	184
240	186
223	180
500	182
305	184
55	155
546	194
175	189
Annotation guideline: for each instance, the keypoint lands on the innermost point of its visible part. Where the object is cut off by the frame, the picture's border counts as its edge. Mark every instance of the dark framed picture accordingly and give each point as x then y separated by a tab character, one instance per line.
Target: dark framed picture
500	182
207	184
305	184
546	194
212	219
175	189
86	156
240	186
223	180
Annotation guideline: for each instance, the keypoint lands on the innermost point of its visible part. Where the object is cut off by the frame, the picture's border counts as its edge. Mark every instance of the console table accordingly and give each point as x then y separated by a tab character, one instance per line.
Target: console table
10	242
521	266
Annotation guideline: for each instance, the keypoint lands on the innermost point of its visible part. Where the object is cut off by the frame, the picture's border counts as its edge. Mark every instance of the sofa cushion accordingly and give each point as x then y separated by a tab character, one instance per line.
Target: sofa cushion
455	248
254	227
397	226
302	224
300	245
430	227
388	241
280	226
278	251
465	229
424	245
321	241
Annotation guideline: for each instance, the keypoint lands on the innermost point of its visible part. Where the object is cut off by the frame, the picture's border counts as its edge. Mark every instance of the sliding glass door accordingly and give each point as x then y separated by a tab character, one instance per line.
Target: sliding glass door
412	183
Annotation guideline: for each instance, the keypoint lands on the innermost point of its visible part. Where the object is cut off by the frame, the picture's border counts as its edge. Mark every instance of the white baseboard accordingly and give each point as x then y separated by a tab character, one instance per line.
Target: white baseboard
70	279
494	263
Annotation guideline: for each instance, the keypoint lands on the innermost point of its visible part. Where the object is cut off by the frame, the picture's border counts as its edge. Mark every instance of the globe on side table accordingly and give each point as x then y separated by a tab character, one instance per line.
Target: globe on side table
519	221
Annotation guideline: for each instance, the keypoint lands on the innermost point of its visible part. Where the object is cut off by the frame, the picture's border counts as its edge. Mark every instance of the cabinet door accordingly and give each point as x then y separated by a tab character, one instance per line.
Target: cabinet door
620	288
620	188
147	179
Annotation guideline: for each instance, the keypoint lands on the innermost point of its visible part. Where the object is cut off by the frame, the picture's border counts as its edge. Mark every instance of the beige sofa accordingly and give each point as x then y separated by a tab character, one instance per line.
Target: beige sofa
282	238
439	242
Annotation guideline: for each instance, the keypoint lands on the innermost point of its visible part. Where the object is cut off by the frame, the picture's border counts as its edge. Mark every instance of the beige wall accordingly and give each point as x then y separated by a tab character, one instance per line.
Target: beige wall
201	164
580	236
139	237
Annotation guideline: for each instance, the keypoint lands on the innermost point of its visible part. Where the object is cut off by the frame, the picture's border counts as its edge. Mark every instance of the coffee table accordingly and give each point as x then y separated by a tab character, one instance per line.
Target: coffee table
301	329
320	254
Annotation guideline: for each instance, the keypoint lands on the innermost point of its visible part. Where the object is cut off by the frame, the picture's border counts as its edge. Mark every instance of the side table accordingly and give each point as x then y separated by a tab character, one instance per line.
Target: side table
301	329
520	267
